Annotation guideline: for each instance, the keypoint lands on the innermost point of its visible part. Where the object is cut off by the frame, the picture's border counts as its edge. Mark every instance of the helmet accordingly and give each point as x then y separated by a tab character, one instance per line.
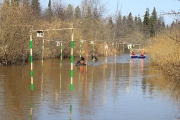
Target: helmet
82	58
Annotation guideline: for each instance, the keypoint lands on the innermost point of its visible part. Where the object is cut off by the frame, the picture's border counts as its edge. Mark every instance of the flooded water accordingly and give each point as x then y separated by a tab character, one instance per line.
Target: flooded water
113	88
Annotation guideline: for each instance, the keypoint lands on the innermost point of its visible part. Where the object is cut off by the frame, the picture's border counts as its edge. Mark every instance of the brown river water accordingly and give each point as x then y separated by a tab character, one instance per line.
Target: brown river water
113	88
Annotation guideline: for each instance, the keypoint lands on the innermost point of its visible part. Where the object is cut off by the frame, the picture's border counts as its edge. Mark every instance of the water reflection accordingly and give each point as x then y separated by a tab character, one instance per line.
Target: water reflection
31	111
114	73
166	84
168	87
108	89
42	86
70	109
82	72
104	75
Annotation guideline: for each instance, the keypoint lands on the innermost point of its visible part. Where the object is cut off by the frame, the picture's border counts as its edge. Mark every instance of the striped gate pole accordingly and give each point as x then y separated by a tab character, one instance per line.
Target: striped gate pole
60	55
92	42
86	49
42	51
31	61
81	48
115	47
106	49
93	46
60	65
72	62
123	48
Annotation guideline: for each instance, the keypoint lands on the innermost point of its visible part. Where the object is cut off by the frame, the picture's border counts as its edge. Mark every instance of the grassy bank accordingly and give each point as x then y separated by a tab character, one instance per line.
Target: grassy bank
164	51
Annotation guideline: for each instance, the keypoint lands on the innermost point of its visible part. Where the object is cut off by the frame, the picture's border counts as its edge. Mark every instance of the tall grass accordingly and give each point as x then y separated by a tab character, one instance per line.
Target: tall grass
165	48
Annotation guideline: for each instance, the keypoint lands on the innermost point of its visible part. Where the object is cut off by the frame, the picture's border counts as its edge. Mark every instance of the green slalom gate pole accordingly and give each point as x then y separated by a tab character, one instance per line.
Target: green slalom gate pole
72	62
93	50
60	65
123	48
93	47
60	55
80	48
31	61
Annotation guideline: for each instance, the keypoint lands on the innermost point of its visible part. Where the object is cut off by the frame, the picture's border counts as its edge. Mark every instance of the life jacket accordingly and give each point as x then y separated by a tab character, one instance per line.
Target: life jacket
142	52
133	53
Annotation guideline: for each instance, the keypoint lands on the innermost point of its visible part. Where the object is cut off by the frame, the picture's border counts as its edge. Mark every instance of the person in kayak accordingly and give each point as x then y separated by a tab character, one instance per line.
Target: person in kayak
80	61
94	58
142	52
133	53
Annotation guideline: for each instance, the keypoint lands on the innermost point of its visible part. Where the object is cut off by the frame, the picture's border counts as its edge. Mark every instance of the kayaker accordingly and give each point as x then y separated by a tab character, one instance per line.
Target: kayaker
94	58
142	52
133	53
80	61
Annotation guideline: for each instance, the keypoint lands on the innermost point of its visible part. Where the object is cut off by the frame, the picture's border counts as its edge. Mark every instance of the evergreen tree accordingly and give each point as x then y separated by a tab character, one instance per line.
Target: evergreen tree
69	12
6	2
136	19
130	21
77	13
163	25
146	23
146	18
154	17
96	13
89	14
160	24
15	2
139	23
139	20
119	19
130	18
124	19
172	24
110	28
49	11
26	2
27	9
59	11
35	5
110	23
153	26
118	25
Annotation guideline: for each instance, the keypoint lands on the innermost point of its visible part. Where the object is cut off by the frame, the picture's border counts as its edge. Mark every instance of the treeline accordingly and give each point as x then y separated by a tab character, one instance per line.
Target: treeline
17	17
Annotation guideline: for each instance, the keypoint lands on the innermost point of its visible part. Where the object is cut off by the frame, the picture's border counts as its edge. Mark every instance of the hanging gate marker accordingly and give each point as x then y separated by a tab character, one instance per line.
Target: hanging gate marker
57	43
40	33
